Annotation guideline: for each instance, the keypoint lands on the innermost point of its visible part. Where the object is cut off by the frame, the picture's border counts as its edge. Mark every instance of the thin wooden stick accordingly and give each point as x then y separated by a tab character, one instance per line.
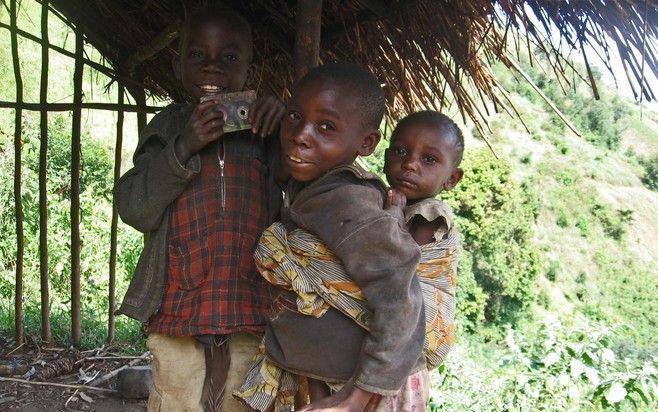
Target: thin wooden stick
18	204
159	42
548	101
43	186
76	327
115	372
115	221
92	358
70	397
64	107
61	385
307	39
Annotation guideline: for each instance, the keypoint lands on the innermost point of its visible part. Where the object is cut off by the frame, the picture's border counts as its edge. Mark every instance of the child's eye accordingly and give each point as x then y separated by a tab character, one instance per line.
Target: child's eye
196	54
429	159
399	151
293	116
231	57
327	126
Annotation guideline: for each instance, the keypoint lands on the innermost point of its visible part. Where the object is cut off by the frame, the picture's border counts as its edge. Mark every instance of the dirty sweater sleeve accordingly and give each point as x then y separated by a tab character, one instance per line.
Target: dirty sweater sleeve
381	257
157	178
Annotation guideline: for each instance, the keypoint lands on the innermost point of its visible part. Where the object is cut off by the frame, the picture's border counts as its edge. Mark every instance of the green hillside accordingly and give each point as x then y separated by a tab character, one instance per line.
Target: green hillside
587	339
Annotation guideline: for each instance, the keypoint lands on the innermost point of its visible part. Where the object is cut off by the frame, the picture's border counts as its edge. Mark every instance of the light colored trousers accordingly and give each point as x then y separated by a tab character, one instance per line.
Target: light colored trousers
179	372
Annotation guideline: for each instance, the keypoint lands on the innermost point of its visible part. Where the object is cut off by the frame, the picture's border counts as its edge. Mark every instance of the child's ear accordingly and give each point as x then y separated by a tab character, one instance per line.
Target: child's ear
454	178
175	64
251	75
370	142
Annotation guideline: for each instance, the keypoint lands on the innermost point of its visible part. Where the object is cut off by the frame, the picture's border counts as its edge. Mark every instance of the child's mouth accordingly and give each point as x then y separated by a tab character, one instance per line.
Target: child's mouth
295	159
209	89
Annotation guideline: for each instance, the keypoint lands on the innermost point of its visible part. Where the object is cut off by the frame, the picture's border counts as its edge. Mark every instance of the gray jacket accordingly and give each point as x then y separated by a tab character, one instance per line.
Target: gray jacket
144	194
344	208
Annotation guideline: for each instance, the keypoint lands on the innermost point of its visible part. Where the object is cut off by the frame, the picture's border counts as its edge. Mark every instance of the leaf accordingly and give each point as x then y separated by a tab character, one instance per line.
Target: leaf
551	359
640	392
577	367
588	358
616	393
86	397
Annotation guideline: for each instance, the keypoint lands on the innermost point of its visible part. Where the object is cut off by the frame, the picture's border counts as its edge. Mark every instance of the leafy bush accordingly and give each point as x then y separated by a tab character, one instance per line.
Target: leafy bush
614	224
495	216
561	368
95	216
552	368
650	178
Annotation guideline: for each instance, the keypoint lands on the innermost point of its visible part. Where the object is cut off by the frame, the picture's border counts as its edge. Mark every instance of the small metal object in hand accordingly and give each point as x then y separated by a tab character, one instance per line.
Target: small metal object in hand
235	107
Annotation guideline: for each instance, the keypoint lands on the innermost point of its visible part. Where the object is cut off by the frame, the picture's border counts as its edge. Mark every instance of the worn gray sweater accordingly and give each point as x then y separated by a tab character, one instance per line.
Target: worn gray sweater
344	208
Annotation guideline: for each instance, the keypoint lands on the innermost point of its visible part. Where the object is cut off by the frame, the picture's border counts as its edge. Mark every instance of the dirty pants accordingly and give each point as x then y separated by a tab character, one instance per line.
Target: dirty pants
183	371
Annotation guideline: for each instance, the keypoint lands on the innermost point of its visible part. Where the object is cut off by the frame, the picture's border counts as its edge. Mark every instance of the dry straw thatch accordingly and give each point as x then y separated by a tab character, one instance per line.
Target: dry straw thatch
427	52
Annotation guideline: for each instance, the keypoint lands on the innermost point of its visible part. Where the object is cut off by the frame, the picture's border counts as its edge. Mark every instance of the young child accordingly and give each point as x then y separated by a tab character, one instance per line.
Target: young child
203	197
422	160
332	118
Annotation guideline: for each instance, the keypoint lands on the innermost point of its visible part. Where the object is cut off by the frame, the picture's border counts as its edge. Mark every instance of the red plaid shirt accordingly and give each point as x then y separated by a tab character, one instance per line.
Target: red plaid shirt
213	286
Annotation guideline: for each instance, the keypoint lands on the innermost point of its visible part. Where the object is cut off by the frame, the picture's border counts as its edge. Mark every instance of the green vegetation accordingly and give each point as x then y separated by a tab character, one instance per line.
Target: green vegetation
95	215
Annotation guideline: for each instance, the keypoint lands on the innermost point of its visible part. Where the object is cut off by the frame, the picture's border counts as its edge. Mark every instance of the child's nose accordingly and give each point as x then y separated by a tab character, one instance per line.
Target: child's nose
410	163
212	64
301	136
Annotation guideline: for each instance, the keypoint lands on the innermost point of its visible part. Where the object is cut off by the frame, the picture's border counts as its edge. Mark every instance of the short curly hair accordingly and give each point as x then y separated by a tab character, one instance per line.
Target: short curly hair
357	79
445	125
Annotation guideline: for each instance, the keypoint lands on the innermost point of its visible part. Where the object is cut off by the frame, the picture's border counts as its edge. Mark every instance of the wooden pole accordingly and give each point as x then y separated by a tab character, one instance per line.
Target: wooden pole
67	107
115	221
75	188
19	315
307	37
43	186
140	100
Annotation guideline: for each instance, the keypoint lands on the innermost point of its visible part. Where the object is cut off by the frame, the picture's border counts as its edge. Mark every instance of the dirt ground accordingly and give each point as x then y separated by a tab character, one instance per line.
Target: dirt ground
64	366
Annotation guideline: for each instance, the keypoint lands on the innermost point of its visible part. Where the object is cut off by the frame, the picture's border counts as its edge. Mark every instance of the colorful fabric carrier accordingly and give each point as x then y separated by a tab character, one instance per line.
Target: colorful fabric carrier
298	261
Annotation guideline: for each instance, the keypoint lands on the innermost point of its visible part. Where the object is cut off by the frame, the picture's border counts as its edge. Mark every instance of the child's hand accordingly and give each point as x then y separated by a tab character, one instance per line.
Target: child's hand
206	124
395	198
265	115
348	399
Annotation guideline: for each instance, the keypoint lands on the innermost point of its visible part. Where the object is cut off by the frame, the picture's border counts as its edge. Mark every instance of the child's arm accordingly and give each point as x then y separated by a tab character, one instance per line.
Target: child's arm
206	125
348	399
159	173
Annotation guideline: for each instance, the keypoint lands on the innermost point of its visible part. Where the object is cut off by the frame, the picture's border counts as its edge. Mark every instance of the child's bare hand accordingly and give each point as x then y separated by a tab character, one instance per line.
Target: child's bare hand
265	115
348	399
395	198
206	124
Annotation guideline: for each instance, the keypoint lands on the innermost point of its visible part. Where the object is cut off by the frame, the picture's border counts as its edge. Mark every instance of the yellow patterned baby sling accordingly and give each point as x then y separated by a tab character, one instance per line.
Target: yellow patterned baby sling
298	261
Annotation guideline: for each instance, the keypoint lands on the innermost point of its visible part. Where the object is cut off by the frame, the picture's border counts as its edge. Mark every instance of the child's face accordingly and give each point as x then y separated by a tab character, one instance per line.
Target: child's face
323	128
214	59
420	162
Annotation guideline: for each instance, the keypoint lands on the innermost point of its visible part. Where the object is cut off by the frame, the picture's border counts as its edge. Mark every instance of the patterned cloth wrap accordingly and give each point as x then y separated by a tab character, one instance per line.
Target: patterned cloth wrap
298	261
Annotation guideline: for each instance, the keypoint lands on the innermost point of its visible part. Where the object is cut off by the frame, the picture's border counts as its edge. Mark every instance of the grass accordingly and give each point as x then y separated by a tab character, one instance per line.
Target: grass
128	336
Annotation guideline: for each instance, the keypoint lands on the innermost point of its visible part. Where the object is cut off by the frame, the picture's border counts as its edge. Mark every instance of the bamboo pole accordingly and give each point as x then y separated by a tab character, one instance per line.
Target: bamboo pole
75	189
19	315
115	221
140	99
307	37
43	186
67	107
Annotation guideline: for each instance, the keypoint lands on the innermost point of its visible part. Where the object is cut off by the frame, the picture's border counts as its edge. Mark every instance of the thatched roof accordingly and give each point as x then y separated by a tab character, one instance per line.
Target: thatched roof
423	50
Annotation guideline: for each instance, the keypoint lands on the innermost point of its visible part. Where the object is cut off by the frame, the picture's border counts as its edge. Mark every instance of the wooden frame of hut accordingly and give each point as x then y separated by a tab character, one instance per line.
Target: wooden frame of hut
427	54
